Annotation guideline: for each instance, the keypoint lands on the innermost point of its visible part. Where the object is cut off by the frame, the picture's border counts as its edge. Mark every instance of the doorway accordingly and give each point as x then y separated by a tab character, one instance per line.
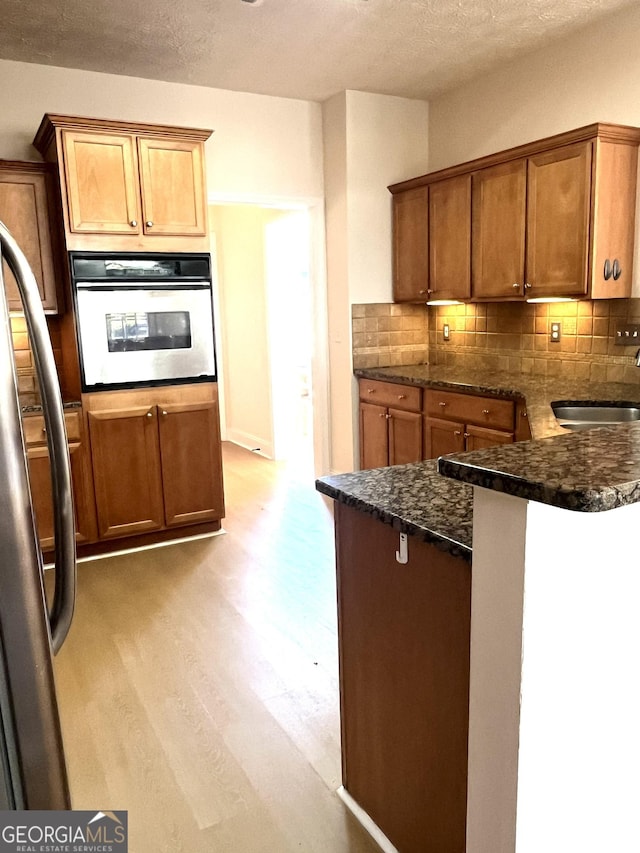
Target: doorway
271	343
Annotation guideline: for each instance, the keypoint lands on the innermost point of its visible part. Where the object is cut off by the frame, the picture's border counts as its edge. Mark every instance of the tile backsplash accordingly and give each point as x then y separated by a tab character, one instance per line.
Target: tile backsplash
502	336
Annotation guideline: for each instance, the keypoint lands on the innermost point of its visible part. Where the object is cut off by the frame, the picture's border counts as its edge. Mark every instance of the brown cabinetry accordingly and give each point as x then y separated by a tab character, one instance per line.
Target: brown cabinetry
455	422
404	640
551	218
390	424
40	478
156	458
128	186
450	239
26	208
411	245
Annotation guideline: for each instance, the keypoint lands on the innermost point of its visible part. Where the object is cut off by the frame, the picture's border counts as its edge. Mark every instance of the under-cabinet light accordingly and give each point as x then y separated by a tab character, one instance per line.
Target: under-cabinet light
539	299
444	302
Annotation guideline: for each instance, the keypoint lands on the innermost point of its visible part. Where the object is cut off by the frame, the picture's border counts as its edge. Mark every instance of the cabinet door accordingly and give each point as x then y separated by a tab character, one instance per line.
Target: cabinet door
404	639
173	187
126	470
101	172
24	209
442	437
191	462
477	438
558	211
411	245
40	484
450	238
498	231
374	436
405	437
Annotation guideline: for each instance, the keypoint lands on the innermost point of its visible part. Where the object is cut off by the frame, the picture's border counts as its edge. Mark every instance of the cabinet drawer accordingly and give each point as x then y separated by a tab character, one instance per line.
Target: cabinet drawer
406	397
485	411
35	433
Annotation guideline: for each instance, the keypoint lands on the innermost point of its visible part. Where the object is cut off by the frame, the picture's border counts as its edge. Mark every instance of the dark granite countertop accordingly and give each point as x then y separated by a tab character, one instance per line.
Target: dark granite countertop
588	470
539	392
413	499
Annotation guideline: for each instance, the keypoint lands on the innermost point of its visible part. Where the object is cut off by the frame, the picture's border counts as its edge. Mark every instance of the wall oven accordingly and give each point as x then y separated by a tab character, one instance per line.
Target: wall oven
143	319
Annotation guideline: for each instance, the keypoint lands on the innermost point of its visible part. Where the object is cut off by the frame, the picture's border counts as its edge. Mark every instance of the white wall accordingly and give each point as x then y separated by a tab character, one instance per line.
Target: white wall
261	146
588	77
370	141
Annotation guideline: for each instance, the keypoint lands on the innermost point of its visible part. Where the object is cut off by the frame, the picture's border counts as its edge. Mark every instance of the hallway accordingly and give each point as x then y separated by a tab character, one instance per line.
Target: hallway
199	685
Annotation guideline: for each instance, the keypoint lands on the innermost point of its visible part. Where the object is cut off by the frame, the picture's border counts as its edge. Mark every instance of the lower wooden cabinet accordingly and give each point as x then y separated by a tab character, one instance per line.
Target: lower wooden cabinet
390	427
156	458
456	422
40	479
404	646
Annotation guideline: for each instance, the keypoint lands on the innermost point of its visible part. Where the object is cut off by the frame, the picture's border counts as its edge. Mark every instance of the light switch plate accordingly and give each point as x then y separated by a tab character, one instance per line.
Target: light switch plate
627	334
446	331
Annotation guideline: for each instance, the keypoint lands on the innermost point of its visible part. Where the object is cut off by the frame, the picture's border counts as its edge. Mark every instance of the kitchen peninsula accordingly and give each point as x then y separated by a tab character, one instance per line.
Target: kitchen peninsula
525	738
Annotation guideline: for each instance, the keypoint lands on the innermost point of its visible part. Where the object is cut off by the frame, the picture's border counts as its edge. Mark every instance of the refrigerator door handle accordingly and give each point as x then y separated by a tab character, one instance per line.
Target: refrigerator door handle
64	596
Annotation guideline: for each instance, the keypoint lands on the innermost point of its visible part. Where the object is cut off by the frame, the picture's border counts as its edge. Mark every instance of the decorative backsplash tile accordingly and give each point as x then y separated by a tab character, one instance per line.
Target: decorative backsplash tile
501	336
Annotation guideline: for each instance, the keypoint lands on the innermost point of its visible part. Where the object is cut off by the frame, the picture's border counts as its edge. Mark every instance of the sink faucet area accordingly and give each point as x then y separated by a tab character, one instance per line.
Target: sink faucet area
588	415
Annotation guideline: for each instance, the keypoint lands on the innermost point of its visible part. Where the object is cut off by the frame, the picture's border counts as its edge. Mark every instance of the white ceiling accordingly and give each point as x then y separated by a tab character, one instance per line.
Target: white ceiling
307	49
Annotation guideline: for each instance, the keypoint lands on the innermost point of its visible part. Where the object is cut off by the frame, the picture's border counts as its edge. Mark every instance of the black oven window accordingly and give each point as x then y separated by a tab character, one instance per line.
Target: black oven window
134	331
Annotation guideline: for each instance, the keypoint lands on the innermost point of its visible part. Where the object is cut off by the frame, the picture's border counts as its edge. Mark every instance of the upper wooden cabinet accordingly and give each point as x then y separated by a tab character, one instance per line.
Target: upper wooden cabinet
26	208
552	218
411	245
450	238
128	186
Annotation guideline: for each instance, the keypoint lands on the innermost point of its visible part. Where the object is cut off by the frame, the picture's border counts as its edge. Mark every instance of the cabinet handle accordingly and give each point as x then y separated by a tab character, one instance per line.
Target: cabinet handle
606	272
616	271
485	411
442	404
149	223
134	223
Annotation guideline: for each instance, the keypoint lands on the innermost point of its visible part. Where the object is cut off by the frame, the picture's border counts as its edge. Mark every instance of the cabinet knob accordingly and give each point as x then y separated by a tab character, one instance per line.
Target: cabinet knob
164	413
388	416
423	291
515	284
523	414
382	415
371	390
485	411
149	414
527	286
402	396
466	435
134	223
457	432
442	405
149	223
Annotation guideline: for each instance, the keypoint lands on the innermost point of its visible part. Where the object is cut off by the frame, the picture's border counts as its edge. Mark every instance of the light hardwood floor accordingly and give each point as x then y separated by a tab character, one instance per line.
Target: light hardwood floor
198	687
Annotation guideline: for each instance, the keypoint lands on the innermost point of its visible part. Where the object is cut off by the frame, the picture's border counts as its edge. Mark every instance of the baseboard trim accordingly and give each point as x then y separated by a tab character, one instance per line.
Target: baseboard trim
368	823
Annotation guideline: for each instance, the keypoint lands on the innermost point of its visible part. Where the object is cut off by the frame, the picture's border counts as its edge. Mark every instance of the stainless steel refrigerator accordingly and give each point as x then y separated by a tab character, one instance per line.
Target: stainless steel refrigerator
31	751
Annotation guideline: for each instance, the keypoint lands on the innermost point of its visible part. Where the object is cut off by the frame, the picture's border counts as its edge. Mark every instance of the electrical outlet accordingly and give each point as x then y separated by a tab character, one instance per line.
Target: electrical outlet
446	332
555	332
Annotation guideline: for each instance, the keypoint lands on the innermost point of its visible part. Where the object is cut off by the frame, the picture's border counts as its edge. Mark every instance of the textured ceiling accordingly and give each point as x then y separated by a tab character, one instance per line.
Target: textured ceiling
307	49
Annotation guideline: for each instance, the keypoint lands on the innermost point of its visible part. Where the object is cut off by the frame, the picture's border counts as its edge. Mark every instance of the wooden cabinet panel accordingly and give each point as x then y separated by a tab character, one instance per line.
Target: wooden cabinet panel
101	175
374	436
173	186
492	412
442	437
27	211
191	462
126	470
405	437
450	238
411	245
478	438
404	639
558	210
498	243
406	397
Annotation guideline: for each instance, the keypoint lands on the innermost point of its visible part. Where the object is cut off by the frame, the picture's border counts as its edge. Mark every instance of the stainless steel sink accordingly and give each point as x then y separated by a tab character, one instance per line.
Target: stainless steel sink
590	415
